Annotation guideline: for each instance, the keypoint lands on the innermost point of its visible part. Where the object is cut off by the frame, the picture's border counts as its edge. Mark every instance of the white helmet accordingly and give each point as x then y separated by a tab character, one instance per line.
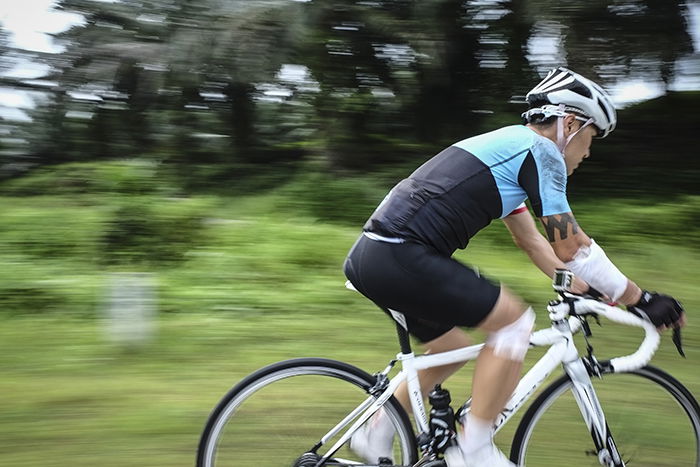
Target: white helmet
577	94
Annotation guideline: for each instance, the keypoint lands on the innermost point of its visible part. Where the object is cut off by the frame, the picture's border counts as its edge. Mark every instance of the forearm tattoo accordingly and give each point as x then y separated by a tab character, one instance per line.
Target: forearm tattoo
560	223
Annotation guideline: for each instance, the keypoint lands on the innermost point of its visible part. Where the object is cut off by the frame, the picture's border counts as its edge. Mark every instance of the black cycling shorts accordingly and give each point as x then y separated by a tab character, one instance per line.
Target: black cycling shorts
434	292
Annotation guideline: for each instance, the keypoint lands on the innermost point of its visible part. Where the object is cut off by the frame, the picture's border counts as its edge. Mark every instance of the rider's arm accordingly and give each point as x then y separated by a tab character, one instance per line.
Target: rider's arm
660	309
543	177
526	236
586	259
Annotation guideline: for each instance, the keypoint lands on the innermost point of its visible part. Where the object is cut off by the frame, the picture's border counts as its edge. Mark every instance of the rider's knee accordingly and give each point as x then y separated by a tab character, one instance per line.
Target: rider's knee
512	341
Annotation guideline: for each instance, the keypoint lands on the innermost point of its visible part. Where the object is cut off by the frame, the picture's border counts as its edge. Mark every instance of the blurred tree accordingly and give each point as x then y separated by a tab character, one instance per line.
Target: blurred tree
348	49
97	109
168	76
503	53
12	119
225	89
619	38
450	79
394	75
4	65
4	49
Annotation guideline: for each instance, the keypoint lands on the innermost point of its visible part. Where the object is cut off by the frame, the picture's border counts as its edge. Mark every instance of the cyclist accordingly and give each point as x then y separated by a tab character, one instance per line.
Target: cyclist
402	261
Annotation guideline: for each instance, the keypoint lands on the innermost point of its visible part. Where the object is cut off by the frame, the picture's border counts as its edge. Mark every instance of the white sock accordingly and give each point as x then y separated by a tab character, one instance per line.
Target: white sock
477	433
381	427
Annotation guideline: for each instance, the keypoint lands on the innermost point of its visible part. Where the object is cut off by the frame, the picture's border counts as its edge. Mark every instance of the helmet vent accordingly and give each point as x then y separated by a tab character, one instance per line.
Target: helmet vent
579	88
604	109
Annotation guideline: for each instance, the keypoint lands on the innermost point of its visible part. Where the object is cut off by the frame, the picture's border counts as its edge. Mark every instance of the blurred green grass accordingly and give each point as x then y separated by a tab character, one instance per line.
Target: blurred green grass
256	280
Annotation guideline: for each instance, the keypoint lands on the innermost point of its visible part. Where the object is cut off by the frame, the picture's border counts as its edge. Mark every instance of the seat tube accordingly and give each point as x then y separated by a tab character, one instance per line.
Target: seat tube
414	391
407	359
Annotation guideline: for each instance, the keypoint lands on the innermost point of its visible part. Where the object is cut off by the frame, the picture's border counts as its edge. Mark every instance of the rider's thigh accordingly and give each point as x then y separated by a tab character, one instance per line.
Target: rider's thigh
455	338
507	310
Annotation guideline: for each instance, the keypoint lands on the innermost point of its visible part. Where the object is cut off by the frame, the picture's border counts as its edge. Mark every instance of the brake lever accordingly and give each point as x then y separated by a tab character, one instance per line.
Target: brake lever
677	340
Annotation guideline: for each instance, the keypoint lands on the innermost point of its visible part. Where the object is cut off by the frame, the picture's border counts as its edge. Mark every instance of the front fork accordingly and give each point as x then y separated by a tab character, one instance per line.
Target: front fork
592	412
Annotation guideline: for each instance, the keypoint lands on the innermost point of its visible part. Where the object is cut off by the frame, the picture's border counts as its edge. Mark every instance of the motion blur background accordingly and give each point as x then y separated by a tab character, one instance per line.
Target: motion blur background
180	181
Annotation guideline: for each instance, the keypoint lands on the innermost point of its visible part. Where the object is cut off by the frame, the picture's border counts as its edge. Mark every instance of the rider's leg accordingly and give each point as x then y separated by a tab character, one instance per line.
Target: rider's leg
495	376
375	439
497	373
452	339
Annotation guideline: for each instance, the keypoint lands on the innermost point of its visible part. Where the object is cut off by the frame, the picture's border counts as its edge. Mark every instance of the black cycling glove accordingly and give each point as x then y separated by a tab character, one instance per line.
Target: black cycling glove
660	309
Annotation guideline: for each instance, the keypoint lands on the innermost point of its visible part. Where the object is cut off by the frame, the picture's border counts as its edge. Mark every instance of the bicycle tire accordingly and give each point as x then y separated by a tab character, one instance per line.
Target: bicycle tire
666	432
278	413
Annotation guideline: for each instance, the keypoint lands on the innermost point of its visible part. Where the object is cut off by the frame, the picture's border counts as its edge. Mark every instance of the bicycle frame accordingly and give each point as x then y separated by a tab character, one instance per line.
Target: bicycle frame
562	350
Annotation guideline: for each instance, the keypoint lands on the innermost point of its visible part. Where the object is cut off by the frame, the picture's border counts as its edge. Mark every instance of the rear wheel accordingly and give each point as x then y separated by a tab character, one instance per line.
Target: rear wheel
653	418
277	416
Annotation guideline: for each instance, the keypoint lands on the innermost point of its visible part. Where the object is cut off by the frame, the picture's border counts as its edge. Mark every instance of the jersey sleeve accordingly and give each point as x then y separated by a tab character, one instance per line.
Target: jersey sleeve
543	177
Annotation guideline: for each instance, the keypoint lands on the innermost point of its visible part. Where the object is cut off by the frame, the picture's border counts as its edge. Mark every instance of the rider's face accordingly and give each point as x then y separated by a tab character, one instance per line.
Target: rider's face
579	147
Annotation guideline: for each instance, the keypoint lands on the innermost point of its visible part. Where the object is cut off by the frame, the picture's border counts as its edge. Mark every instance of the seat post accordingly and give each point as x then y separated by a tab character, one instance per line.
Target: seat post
401	328
404	340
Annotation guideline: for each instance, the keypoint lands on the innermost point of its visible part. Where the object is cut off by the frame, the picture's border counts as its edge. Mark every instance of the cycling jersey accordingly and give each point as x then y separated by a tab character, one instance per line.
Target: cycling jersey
452	196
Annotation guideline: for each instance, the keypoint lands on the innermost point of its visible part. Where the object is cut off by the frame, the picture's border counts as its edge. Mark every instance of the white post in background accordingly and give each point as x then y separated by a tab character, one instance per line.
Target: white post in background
131	308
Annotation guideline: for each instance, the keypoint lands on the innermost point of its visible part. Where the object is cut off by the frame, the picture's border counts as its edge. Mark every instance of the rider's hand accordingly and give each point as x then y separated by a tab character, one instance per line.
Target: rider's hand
662	310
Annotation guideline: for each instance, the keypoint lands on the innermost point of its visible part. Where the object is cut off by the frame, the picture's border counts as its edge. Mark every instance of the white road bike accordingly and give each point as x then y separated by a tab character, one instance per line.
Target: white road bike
615	413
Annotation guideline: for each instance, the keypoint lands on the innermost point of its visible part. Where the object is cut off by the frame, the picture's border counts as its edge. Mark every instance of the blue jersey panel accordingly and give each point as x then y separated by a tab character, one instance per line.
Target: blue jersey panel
551	169
504	151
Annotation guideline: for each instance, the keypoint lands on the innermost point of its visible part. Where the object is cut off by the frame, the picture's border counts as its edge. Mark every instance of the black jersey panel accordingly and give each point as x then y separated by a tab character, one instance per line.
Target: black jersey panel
444	202
529	179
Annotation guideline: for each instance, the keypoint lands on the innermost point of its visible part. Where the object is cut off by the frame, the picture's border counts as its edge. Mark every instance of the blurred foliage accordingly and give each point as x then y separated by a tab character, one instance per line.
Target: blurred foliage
126	177
235	252
151	232
327	198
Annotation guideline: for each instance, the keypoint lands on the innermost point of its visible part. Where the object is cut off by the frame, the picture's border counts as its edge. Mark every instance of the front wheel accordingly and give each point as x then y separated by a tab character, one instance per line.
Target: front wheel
277	417
654	419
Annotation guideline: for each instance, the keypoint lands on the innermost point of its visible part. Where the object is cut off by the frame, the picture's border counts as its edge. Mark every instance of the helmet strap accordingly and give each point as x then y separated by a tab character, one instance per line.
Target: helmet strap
561	141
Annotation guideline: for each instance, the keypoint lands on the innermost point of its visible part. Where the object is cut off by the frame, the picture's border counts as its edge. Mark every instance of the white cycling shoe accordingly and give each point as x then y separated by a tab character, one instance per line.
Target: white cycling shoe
486	456
374	440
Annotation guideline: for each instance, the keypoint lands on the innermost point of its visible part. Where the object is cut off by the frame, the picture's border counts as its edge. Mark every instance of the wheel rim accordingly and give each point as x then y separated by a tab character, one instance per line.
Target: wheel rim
649	424
274	424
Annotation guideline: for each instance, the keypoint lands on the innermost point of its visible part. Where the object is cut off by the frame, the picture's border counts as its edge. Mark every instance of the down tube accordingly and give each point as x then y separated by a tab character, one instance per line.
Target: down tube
531	381
592	412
